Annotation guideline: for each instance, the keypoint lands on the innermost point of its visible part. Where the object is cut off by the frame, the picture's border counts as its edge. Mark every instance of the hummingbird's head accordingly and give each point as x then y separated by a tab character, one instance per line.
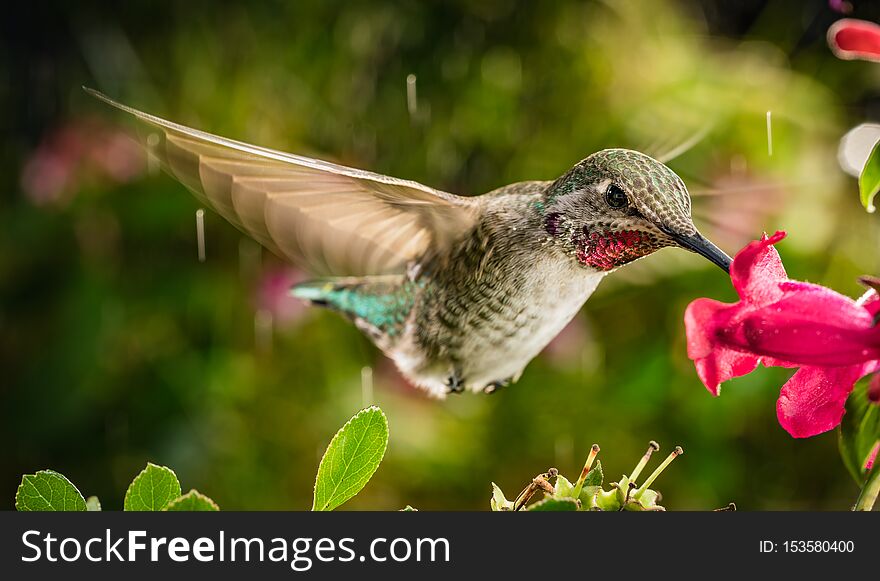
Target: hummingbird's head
619	205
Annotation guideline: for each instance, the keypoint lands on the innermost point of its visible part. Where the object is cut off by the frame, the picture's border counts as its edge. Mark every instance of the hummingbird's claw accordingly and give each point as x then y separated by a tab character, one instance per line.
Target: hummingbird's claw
454	383
496	385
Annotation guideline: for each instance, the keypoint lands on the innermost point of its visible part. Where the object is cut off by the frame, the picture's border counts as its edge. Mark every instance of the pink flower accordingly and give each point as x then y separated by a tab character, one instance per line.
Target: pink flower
872	457
874	390
273	294
569	345
841	6
852	39
75	152
781	322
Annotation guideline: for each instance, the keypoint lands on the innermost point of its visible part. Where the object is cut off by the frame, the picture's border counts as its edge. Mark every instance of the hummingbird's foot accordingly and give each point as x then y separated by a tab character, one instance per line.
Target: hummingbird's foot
454	383
496	385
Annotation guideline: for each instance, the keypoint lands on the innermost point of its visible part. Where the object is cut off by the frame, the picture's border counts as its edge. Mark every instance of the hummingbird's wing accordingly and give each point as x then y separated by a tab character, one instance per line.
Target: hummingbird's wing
330	219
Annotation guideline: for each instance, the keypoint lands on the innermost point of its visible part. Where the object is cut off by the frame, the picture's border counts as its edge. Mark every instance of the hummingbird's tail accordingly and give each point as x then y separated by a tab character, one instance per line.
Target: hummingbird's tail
379	305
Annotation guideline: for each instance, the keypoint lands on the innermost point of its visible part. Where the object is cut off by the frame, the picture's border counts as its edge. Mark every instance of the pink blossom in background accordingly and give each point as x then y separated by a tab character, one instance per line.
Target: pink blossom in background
78	151
841	6
117	155
273	294
389	379
781	322
745	201
568	346
852	39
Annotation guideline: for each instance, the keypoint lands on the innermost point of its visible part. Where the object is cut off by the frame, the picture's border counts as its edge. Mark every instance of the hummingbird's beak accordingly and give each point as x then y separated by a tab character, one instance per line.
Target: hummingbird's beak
702	246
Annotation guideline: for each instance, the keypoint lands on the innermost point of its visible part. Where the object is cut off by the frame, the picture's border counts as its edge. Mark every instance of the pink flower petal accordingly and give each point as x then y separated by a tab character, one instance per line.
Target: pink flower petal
704	319
851	39
874	390
756	270
872	457
812	401
724	364
809	325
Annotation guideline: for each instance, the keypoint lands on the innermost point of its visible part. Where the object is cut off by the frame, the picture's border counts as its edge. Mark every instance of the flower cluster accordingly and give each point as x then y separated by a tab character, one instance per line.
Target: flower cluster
781	322
587	492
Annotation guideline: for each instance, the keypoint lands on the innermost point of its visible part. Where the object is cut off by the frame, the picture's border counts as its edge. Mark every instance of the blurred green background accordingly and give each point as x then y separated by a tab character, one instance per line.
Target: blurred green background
118	347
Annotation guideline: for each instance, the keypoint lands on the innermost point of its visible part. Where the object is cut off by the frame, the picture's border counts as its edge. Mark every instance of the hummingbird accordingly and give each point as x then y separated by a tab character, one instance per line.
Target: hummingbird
461	292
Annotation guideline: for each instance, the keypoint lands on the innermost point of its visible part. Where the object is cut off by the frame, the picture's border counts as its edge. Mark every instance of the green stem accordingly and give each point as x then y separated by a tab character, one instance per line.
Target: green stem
647	484
652	447
870	490
579	485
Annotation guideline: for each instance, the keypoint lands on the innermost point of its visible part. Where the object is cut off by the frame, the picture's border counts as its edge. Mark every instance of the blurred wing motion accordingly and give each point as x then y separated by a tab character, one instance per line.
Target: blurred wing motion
330	219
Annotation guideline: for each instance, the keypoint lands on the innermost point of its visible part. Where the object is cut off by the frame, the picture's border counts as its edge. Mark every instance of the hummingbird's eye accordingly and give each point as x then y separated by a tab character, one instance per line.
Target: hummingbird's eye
615	196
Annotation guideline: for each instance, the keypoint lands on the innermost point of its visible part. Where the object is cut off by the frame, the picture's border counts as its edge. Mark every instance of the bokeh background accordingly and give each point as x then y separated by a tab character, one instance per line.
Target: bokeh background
118	347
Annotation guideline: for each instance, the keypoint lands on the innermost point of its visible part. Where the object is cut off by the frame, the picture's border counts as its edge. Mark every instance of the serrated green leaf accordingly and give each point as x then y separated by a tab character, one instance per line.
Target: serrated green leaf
595	475
152	489
588	496
551	504
192	501
564	488
93	504
869	179
498	501
648	498
351	459
859	430
607	499
48	490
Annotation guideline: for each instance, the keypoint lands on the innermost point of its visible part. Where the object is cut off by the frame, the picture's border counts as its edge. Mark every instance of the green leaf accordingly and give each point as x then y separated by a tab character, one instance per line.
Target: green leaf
859	430
93	504
607	499
648	499
152	489
192	501
351	458
869	180
499	502
48	490
408	508
870	490
595	475
551	504
564	488
588	497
